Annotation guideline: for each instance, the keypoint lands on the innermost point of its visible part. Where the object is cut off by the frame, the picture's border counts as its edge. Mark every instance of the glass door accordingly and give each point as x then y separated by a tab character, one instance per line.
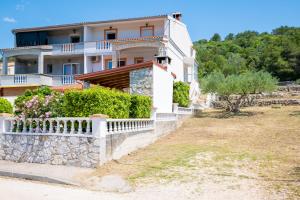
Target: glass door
70	68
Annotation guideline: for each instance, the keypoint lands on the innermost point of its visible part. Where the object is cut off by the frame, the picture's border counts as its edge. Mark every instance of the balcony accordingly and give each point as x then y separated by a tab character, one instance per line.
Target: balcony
100	46
68	48
35	80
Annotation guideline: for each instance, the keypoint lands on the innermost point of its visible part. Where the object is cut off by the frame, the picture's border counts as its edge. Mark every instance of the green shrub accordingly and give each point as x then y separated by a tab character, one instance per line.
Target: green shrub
140	106
97	100
181	94
298	81
5	106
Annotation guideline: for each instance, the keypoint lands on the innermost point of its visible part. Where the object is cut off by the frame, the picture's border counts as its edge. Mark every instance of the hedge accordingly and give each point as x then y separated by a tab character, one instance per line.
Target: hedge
5	106
97	100
140	106
181	94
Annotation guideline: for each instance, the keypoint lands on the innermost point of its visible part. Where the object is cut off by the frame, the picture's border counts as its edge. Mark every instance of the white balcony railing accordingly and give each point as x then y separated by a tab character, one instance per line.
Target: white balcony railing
69	48
36	79
19	79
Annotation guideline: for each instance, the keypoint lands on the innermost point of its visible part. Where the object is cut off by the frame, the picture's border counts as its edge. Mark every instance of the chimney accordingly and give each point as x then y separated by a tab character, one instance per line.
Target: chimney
177	16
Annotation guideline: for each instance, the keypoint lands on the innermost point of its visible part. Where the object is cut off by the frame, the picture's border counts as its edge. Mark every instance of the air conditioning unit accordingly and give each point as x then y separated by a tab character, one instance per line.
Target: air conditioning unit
95	59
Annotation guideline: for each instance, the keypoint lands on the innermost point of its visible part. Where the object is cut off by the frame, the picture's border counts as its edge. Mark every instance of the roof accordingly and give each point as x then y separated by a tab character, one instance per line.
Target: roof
74	25
116	77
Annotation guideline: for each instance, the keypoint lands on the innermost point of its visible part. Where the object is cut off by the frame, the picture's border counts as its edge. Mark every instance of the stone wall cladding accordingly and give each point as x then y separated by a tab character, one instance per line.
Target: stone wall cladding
141	81
57	150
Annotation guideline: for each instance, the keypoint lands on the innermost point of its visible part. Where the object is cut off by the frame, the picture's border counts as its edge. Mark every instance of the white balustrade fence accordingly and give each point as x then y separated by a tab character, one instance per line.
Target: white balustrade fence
63	125
74	126
129	125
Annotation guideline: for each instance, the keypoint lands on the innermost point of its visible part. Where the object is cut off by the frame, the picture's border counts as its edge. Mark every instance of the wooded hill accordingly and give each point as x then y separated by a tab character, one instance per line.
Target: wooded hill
277	52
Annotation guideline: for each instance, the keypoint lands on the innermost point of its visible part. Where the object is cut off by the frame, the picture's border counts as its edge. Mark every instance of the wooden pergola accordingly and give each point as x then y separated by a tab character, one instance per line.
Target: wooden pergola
118	78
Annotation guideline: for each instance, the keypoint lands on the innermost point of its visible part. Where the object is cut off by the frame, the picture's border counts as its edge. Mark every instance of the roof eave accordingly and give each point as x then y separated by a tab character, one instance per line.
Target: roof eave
76	25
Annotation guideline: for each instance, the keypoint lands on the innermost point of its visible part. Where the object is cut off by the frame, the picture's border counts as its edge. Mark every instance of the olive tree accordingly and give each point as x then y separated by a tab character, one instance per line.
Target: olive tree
241	85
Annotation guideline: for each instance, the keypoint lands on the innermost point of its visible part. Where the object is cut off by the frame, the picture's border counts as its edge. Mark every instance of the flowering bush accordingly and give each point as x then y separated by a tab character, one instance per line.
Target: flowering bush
37	104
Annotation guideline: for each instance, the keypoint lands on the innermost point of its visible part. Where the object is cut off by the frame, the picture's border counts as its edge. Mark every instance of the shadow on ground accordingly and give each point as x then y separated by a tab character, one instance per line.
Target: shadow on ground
295	113
225	115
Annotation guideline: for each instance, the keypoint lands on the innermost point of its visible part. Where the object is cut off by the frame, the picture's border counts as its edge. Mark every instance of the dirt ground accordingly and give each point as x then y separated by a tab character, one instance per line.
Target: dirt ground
253	155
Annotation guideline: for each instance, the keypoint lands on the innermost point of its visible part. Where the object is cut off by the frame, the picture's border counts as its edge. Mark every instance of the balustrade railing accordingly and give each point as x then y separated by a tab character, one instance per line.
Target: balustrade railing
67	79
103	45
68	48
74	126
79	126
129	125
20	79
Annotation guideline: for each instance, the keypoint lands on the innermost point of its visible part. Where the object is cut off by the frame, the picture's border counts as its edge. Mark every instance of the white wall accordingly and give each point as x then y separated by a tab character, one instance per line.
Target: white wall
57	63
180	35
125	30
93	66
146	52
162	90
63	36
177	65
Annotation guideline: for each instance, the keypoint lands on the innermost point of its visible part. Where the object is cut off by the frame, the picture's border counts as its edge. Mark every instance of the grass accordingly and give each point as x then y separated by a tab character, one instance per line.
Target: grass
264	140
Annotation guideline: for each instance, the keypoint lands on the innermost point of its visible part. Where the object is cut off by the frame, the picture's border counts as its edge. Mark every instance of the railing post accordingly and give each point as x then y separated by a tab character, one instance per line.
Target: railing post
99	131
175	108
3	123
153	114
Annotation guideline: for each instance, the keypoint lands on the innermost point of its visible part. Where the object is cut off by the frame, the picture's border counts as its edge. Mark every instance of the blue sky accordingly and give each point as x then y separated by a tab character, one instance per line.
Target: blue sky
203	18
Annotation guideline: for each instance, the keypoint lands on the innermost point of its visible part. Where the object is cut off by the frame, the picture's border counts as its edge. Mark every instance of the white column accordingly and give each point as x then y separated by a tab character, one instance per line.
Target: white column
41	64
175	108
4	65
102	62
4	124
153	113
115	59
85	65
99	131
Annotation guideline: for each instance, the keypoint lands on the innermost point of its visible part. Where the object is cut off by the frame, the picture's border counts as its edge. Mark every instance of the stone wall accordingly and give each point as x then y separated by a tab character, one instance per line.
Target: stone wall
141	82
57	150
80	151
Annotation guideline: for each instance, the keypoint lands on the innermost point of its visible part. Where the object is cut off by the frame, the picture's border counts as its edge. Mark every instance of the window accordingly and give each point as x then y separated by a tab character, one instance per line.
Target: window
138	60
49	68
75	39
146	31
110	34
121	62
70	68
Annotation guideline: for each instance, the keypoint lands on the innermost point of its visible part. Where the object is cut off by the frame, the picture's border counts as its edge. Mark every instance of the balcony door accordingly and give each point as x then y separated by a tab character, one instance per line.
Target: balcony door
71	68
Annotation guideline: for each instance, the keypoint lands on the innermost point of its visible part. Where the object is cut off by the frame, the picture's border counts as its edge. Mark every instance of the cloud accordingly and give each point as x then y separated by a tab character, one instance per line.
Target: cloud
20	7
9	20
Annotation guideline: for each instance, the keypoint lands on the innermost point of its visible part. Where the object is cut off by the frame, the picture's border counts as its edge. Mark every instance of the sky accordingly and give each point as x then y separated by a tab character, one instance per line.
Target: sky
203	17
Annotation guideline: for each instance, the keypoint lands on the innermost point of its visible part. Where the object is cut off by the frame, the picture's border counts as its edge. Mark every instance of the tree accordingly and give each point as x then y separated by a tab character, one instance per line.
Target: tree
230	36
241	85
216	38
277	52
